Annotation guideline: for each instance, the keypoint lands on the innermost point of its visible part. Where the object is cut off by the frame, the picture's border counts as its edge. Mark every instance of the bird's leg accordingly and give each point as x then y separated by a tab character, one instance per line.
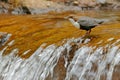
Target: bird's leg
89	32
86	33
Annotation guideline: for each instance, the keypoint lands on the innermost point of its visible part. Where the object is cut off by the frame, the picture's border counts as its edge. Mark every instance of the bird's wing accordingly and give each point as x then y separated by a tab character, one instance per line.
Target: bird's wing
87	21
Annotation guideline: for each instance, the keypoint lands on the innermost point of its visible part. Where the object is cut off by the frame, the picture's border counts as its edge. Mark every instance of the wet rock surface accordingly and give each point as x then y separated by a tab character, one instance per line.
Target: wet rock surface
49	7
4	8
4	37
21	10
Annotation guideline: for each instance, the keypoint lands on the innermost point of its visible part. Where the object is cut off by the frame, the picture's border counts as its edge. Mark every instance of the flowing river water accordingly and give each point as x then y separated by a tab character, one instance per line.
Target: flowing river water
48	47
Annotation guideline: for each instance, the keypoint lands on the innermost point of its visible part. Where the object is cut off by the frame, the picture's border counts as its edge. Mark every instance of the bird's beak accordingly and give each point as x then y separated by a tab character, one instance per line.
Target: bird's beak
70	16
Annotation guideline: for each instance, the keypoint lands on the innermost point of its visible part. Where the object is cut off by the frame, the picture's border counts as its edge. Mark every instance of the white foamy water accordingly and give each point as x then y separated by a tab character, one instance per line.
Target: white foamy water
88	63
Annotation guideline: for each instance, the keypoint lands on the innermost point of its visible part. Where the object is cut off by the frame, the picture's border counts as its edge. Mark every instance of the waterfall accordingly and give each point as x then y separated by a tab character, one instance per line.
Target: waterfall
86	63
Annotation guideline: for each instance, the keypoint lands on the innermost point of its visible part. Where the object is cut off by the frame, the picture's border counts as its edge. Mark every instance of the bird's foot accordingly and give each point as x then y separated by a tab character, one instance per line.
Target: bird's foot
90	36
86	36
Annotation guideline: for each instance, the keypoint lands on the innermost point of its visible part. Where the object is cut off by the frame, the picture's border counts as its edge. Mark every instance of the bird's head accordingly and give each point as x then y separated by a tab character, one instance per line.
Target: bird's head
71	17
73	20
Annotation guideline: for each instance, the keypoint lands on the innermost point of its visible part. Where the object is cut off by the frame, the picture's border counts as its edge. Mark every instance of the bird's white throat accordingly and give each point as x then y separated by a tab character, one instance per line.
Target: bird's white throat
76	24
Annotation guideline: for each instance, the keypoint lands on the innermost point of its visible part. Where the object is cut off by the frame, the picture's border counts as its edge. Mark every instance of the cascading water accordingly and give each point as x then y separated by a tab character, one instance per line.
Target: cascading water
88	63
